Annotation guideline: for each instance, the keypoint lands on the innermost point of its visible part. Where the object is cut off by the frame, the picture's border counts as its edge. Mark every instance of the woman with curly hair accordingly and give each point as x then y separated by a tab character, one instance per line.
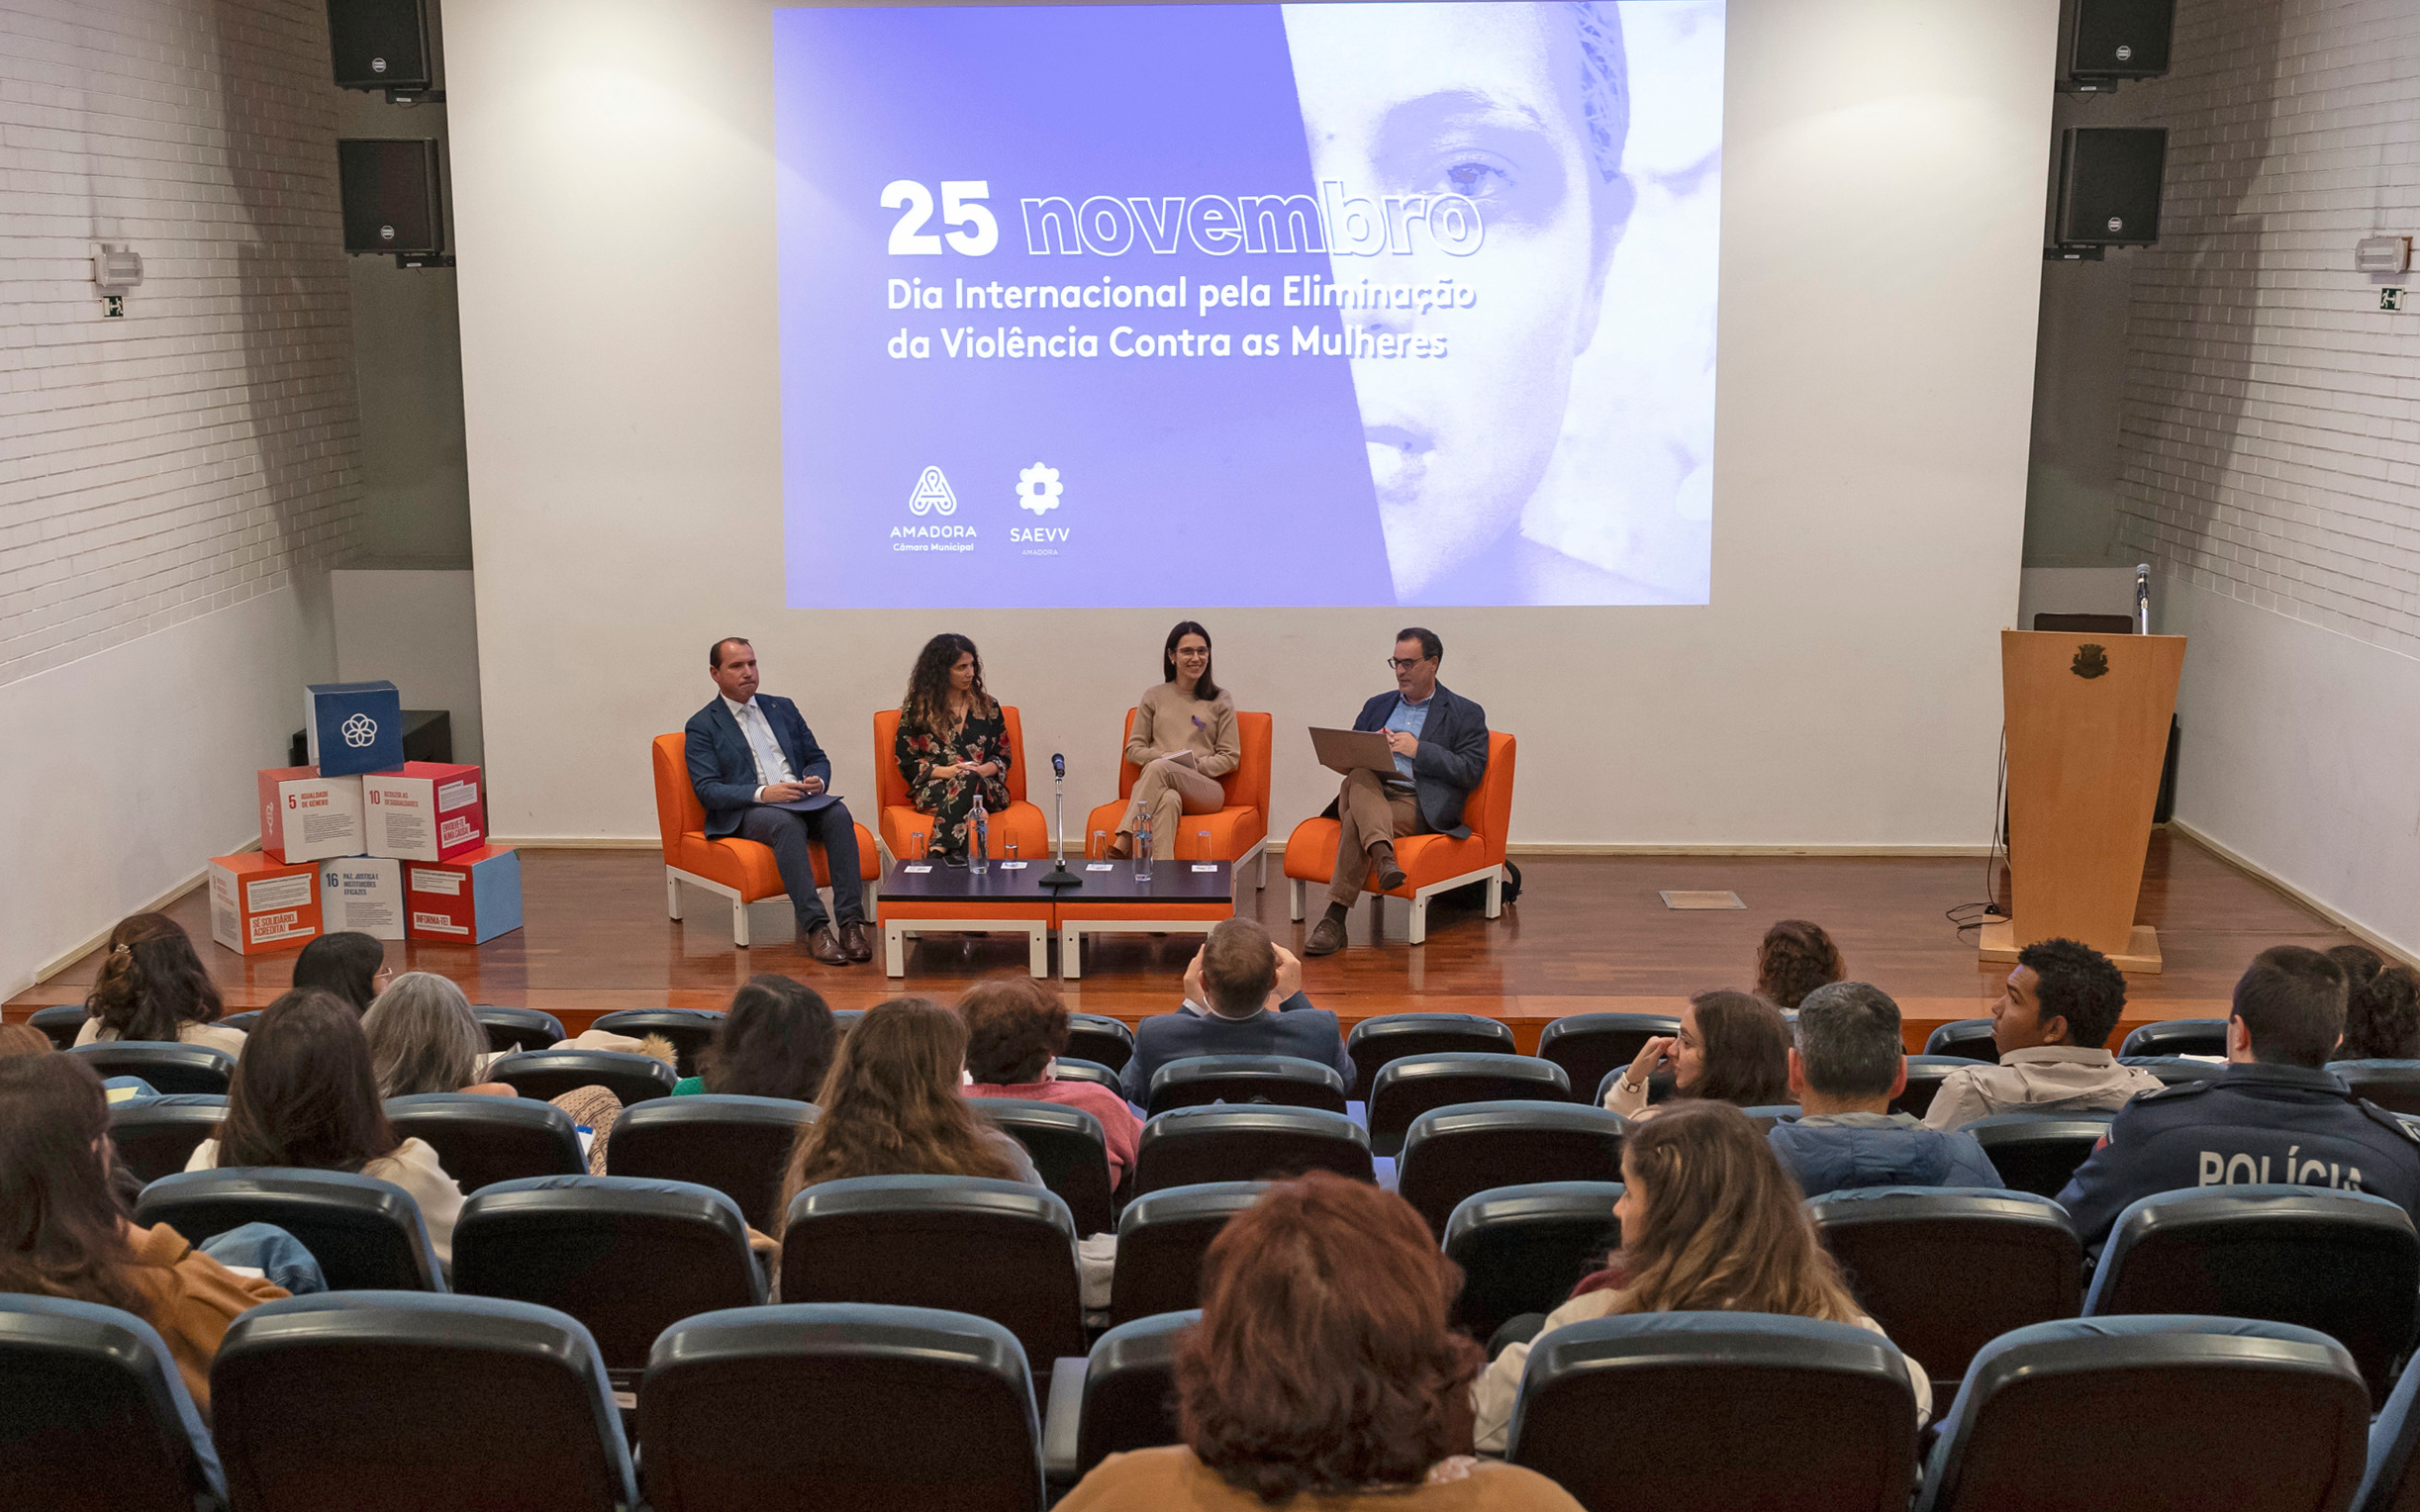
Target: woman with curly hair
2382	1007
1710	1222
1794	959
952	743
1323	1372
152	986
1016	1028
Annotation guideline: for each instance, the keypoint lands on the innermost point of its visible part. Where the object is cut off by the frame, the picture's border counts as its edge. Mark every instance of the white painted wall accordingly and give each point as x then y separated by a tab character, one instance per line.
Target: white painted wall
613	189
419	630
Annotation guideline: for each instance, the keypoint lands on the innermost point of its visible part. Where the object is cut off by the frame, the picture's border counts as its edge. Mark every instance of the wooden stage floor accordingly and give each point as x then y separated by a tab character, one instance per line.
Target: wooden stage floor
1589	934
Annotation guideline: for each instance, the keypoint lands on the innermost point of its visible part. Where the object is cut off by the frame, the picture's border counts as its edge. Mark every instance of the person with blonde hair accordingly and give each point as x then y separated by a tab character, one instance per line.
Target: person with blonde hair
1710	1222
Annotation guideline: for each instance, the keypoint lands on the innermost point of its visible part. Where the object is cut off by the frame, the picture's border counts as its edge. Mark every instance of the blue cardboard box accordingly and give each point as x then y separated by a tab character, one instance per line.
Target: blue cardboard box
353	727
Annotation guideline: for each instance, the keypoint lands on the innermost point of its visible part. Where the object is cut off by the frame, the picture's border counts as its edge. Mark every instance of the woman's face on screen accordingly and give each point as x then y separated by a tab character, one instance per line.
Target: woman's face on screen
1482	101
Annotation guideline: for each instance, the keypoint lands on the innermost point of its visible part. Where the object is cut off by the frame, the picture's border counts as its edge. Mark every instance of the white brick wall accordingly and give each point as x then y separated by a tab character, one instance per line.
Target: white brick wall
2270	443
205	449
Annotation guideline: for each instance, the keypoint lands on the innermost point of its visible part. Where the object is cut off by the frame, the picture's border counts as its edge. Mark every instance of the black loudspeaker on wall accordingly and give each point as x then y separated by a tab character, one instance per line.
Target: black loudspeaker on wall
2120	38
391	198
379	44
2109	185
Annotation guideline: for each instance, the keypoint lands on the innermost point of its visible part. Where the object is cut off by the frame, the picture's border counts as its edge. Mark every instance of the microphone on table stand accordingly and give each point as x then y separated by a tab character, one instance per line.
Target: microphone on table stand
2141	597
1059	879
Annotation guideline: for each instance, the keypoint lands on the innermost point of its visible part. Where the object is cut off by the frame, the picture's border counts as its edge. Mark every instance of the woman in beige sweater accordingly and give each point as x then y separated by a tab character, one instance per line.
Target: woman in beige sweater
1183	739
1710	1222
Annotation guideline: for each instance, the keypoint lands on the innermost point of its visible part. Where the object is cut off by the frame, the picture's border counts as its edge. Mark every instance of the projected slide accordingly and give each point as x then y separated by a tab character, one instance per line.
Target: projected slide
1233	304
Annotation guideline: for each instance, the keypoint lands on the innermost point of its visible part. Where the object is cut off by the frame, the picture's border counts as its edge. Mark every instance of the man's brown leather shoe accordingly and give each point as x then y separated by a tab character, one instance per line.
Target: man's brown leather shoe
1326	937
853	940
1382	860
822	945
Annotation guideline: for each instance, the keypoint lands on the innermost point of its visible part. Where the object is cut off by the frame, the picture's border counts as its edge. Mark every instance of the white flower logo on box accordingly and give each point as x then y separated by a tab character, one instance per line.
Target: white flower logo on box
360	731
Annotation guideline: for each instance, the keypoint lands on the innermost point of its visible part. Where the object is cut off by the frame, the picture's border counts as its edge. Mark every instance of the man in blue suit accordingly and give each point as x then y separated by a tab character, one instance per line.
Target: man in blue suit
1440	743
1242	997
748	751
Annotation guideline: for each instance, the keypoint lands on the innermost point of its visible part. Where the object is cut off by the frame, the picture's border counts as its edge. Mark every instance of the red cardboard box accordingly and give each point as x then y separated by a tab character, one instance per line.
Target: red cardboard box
305	816
259	902
469	899
422	811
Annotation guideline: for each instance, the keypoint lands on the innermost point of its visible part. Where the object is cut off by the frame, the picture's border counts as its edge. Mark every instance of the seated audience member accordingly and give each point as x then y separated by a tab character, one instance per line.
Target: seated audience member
347	963
1323	1373
2273	1113
775	1041
1847	1066
22	1039
1016	1028
1733	1047
425	1038
1243	996
2382	1007
304	1095
1710	1222
1794	959
152	986
65	1234
2051	1026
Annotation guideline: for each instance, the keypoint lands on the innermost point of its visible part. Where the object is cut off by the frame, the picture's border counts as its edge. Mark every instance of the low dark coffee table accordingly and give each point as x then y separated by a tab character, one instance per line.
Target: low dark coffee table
919	896
1182	896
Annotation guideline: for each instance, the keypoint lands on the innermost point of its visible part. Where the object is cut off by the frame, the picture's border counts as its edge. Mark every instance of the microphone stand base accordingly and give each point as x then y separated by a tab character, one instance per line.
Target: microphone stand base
1059	881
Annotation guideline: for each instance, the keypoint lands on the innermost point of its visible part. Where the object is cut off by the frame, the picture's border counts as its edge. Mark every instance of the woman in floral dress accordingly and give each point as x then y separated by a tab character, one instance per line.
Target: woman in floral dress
952	742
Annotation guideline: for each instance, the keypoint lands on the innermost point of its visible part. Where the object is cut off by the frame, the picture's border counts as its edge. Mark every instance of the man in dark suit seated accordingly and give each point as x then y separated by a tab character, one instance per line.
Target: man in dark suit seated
1440	745
1243	996
750	751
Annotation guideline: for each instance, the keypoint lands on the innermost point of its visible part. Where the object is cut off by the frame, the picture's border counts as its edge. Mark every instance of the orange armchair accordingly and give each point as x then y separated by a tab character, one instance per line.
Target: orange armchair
1239	832
739	870
1432	864
1020	821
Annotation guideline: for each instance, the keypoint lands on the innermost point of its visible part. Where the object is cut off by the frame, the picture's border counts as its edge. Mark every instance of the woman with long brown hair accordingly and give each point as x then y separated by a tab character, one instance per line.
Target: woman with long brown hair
1710	1222
64	1232
152	987
1325	1367
1733	1047
1795	958
952	744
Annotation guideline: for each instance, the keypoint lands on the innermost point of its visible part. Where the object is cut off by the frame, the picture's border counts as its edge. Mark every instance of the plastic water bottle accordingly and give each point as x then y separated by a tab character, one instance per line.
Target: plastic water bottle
979	827
1142	850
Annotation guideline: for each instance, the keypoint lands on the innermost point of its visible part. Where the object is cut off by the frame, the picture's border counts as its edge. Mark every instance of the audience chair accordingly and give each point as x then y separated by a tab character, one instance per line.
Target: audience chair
2393	1085
1119	1398
1746	1410
1432	864
481	1139
2178	1036
1100	1039
999	1250
1968	1039
1374	1042
2151	1415
367	1234
2344	1263
1238	832
2039	1152
2390	1484
61	1023
94	1416
690	1030
737	1145
1070	1152
741	871
843	1020
1285	1081
1946	1270
515	1029
155	1138
170	1067
1406	1090
1020	821
1925	1074
548	1074
1452	1152
2173	1068
243	1022
1523	1248
1076	1069
1591	1046
1768	1114
1187	1146
394	1402
1161	1239
627	1258
820	1406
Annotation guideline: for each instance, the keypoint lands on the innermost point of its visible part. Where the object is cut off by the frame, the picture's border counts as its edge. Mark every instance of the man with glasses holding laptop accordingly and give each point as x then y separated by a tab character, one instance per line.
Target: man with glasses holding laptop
1440	742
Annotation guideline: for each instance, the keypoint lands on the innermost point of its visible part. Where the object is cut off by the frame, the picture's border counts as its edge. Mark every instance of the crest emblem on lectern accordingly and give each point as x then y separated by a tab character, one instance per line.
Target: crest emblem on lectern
2091	661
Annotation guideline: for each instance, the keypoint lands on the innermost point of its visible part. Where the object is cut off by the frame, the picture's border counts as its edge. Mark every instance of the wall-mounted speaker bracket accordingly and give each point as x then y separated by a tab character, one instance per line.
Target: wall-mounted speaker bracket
423	259
2088	87
411	97
2048	254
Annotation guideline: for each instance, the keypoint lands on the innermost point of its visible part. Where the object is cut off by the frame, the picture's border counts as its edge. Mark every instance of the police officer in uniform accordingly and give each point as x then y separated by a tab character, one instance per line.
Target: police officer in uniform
2275	1115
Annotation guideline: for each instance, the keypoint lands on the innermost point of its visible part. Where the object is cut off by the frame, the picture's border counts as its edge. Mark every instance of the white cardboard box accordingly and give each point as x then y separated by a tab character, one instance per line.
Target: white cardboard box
305	816
364	893
422	811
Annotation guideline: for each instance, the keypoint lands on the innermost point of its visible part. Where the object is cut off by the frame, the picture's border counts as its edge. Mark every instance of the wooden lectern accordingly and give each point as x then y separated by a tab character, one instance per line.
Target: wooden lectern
2087	719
